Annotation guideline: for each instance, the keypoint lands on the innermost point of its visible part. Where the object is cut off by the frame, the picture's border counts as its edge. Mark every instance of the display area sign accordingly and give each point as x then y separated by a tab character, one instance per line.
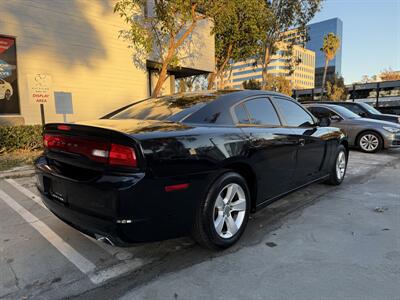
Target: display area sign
40	88
9	96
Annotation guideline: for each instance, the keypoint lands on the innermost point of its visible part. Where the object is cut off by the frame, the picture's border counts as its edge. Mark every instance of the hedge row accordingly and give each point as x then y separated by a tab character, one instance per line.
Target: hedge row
26	137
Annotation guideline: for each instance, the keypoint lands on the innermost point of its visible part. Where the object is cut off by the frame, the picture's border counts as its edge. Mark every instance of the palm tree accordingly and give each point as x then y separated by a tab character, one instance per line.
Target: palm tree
330	46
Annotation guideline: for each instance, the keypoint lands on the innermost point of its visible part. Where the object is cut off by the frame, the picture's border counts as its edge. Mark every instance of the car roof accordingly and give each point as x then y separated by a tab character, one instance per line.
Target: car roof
320	104
329	102
222	105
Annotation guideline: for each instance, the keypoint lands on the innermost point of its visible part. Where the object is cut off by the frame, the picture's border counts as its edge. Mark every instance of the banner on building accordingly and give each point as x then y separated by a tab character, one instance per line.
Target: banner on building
9	97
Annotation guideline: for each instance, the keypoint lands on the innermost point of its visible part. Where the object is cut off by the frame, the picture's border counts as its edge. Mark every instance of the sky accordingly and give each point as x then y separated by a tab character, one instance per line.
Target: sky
371	35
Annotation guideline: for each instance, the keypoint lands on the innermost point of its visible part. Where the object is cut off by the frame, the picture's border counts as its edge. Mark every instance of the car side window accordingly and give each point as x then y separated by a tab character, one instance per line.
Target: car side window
241	114
293	113
354	108
261	112
320	112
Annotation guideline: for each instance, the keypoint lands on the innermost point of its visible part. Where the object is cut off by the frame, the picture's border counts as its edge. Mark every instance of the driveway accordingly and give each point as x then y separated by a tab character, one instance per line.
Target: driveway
321	242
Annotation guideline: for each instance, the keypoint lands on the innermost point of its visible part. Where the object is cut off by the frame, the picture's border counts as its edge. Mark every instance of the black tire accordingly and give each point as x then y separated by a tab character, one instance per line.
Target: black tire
334	179
365	134
7	95
204	231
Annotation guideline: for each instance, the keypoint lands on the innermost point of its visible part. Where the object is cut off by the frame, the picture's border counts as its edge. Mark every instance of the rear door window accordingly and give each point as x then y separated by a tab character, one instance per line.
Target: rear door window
261	112
241	114
293	113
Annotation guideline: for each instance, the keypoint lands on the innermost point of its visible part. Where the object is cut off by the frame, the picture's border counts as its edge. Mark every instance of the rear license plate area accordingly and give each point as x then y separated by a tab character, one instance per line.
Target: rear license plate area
56	190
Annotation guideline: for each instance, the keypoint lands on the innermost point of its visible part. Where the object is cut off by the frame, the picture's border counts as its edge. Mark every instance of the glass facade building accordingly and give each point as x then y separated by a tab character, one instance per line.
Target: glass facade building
316	33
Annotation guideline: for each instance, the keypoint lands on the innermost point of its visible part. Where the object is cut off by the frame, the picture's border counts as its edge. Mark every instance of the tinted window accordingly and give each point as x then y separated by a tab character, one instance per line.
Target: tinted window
241	114
321	112
293	113
344	112
173	108
371	109
262	112
354	108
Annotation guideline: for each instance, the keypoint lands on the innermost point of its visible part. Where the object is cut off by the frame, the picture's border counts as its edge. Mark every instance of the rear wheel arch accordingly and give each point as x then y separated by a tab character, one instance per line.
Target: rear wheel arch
345	143
249	175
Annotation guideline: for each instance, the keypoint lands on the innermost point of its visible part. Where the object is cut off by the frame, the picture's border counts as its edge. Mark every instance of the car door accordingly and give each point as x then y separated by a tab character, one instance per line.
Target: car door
271	149
312	146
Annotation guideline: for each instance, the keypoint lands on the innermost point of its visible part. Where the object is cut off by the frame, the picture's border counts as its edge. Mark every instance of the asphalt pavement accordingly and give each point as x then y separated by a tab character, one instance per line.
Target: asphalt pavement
321	242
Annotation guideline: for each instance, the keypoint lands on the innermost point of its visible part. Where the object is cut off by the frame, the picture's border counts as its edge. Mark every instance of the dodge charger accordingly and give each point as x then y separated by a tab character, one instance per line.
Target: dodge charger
188	164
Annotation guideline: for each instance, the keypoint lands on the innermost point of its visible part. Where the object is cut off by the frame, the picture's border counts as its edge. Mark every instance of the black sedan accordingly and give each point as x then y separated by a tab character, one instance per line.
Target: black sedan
185	164
362	109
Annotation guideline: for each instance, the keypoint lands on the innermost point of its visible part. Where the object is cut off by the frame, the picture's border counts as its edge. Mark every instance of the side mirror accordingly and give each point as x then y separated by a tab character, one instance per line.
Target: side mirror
362	114
324	122
336	118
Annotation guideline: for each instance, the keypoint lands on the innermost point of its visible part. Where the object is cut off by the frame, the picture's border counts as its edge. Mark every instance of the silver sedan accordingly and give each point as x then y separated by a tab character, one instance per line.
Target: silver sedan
367	134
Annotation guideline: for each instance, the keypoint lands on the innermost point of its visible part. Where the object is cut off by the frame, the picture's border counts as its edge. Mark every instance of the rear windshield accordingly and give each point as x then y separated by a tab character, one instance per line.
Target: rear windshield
170	108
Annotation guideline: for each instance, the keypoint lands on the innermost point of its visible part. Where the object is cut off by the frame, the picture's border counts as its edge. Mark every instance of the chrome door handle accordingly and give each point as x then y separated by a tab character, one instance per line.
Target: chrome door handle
302	142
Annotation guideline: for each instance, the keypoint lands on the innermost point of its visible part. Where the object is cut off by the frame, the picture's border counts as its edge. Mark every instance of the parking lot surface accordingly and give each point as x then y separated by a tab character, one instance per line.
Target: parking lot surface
321	242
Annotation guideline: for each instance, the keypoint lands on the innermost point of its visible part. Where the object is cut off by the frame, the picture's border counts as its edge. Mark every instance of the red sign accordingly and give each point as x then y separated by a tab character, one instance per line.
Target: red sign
5	44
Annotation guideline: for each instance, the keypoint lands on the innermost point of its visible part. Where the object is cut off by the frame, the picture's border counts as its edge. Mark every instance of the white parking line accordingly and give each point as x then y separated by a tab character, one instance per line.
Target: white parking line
26	192
118	253
83	264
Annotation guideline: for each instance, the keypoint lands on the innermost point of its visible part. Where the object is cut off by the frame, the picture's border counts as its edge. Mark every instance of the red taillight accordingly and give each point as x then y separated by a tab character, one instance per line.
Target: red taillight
113	154
122	156
64	127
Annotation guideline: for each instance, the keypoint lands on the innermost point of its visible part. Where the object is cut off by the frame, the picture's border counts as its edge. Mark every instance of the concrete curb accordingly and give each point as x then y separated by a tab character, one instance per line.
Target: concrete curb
24	171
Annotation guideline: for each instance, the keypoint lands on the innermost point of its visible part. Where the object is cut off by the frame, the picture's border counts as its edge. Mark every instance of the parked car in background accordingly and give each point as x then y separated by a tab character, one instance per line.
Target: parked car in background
367	134
194	163
363	110
6	90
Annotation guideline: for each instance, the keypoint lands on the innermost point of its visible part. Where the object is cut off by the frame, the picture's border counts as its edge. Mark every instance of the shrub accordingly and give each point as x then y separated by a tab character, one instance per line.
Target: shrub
25	137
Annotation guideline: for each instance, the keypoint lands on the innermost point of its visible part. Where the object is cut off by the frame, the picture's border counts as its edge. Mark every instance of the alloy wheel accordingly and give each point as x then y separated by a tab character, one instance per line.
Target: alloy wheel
341	165
369	142
229	210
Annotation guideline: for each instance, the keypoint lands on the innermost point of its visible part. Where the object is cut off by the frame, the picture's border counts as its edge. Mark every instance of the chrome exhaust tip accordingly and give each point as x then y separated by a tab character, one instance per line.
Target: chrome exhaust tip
104	239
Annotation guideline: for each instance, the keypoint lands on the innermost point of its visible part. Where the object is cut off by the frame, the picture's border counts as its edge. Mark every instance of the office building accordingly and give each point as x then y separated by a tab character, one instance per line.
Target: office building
301	74
316	33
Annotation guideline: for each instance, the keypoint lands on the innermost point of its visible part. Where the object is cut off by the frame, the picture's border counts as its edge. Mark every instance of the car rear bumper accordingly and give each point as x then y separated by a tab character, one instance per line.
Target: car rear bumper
124	209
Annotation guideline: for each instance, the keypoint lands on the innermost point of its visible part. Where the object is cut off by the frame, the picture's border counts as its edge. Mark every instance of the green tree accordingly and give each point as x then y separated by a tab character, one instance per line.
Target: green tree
238	28
330	46
278	84
160	32
336	89
252	84
285	15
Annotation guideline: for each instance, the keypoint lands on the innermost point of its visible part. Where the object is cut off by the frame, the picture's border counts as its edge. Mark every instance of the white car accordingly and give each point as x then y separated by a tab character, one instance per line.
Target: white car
6	90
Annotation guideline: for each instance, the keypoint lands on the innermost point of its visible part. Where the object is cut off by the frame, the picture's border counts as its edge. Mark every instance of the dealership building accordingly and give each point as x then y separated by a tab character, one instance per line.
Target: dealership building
67	56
